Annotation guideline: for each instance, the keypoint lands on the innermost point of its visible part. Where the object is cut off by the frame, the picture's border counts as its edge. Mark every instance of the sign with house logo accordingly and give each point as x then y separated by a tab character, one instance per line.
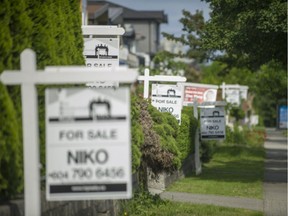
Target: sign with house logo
212	122
101	52
88	147
233	94
167	98
201	92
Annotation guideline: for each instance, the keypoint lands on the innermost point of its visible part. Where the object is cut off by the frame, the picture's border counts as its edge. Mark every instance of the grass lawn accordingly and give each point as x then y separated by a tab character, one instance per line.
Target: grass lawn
234	171
183	209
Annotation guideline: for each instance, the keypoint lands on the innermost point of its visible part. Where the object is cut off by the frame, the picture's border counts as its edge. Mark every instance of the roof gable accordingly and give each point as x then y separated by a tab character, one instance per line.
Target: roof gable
130	14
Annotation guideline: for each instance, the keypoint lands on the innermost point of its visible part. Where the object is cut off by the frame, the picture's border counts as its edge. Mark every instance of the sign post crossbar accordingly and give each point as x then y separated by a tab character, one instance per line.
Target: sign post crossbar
147	78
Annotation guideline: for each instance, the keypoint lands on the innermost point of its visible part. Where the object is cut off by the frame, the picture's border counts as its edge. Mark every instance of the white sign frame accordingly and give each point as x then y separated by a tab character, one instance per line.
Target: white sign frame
162	78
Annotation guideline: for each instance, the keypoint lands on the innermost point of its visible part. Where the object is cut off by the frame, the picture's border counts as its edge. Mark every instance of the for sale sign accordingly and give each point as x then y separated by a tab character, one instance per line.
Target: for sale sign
101	52
199	92
88	154
212	123
167	98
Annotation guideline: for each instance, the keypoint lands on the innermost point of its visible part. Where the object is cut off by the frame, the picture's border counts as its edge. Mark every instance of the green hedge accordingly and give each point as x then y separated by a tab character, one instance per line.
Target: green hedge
52	29
11	174
186	134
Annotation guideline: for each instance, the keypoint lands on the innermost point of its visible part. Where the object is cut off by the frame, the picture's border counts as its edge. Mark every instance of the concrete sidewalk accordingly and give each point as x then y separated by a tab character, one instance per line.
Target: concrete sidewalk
275	183
275	179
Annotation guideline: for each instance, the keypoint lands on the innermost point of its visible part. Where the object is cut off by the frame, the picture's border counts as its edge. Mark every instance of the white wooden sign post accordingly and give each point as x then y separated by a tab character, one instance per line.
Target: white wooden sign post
28	77
198	165
164	78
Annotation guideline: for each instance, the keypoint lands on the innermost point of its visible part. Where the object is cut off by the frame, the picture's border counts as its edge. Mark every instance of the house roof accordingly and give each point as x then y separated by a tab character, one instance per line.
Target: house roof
127	13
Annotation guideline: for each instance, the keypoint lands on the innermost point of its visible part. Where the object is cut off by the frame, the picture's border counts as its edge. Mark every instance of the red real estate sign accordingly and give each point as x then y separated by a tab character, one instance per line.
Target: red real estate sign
203	93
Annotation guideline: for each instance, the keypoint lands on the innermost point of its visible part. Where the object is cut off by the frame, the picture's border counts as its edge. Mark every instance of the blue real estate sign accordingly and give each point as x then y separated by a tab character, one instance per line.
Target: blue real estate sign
282	117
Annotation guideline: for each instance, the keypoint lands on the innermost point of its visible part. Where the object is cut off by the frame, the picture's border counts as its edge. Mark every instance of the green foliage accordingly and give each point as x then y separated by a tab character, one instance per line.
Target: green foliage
165	64
237	112
219	72
144	204
268	85
57	37
11	174
15	35
57	40
140	204
270	89
250	33
193	29
207	149
254	136
167	132
186	134
235	136
53	30
136	133
247	34
159	140
234	170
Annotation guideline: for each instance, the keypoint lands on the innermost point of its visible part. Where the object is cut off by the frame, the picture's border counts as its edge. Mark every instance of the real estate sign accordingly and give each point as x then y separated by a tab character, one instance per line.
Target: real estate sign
101	52
234	93
212	122
167	98
200	92
282	116
88	153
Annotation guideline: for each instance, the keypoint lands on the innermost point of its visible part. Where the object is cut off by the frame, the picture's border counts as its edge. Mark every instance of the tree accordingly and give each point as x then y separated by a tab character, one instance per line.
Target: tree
245	37
193	29
53	30
15	35
249	33
239	33
271	89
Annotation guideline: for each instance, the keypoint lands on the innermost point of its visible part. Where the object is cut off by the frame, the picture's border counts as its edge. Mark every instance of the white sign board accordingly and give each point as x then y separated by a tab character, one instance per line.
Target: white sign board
233	96
88	153
167	98
234	93
212	122
101	52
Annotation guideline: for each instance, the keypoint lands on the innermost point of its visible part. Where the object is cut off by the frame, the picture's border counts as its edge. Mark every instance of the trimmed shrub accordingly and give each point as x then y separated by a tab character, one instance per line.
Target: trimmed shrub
53	30
166	126
11	174
137	135
186	134
207	149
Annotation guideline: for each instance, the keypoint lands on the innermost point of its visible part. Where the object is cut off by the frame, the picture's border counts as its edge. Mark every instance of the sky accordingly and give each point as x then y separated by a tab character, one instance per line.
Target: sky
173	8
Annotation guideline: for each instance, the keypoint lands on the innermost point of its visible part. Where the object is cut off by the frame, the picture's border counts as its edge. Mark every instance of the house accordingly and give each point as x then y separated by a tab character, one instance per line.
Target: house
142	36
